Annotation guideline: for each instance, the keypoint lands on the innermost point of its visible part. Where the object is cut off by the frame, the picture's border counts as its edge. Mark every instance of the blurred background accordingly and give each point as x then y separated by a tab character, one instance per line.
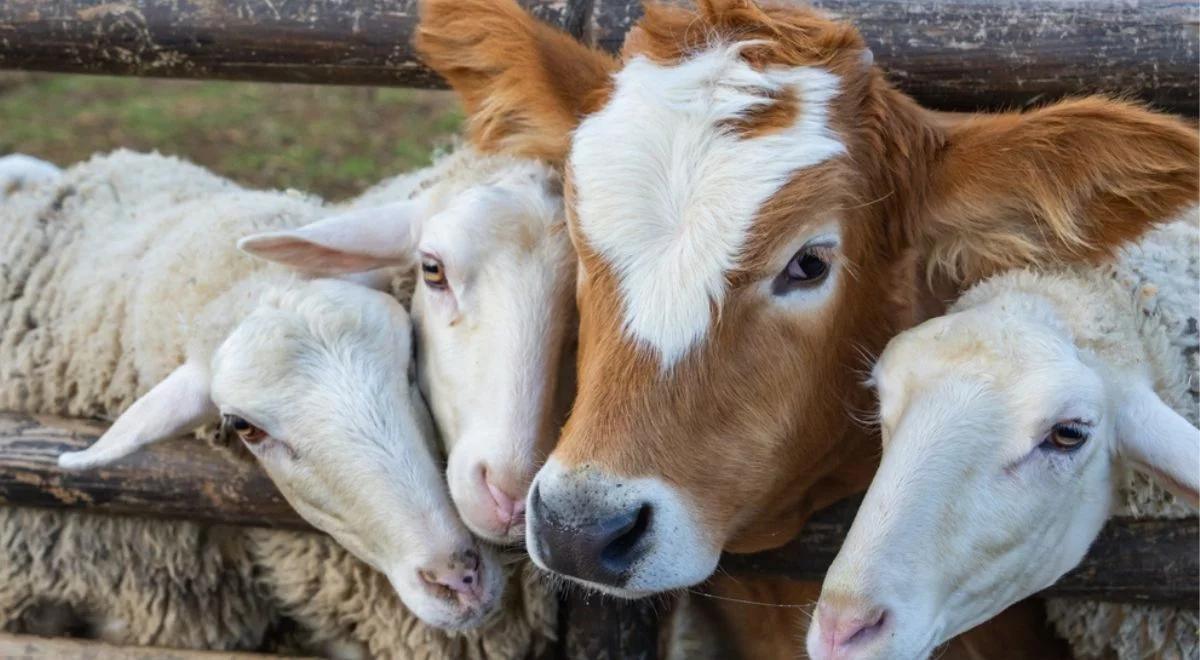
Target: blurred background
331	141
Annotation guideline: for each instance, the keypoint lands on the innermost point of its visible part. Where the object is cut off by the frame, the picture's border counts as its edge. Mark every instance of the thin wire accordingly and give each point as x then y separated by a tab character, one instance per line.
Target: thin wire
748	602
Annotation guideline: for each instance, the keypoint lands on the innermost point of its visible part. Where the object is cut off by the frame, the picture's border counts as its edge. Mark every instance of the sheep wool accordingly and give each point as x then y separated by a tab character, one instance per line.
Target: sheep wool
109	276
1140	309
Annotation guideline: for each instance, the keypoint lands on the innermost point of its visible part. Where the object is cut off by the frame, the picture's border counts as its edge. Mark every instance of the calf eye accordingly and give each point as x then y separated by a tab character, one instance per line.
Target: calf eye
433	272
249	433
806	269
1066	436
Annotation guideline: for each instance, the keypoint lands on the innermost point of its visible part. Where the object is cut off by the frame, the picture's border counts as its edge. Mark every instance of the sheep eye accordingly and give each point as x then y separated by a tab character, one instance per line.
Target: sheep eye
433	272
249	433
806	269
1066	436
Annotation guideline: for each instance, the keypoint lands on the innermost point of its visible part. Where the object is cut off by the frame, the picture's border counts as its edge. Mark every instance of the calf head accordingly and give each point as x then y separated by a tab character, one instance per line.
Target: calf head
755	210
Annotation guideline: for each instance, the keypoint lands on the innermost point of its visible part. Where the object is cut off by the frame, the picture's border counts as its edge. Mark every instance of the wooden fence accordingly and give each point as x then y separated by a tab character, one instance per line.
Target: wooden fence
958	55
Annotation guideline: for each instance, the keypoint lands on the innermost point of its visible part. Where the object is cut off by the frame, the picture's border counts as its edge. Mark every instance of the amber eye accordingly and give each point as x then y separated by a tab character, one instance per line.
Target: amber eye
806	269
1067	436
249	433
433	272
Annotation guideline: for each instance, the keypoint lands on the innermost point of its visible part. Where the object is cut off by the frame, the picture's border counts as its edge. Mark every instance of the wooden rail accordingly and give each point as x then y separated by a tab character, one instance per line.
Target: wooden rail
1133	560
958	55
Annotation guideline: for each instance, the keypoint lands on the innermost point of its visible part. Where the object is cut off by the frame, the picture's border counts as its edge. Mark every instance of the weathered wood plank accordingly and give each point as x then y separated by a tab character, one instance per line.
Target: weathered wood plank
951	54
28	647
1133	560
182	478
1145	560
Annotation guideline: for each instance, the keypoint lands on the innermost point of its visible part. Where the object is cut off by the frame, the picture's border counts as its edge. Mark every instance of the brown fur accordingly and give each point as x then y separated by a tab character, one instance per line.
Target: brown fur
525	85
756	425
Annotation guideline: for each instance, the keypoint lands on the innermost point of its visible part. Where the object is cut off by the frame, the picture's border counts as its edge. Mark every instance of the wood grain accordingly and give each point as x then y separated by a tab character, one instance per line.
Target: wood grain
959	55
185	478
1132	560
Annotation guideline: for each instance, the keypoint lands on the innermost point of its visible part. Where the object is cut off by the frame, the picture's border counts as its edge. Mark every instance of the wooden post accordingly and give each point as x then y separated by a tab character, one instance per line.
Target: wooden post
959	55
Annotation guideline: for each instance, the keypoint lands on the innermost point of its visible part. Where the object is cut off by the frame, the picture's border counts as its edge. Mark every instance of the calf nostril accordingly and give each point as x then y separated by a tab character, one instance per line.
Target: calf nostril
620	552
601	550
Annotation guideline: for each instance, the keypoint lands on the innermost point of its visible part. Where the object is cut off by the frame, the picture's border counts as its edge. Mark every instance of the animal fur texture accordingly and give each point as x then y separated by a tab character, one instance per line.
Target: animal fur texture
96	306
1161	275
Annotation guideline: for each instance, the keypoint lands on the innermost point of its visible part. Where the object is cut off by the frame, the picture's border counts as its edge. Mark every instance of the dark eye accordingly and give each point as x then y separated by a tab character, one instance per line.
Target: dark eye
806	269
249	433
433	272
1067	436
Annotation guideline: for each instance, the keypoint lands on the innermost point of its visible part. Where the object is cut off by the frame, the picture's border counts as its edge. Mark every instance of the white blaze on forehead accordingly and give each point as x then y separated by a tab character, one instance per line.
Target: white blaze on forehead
667	191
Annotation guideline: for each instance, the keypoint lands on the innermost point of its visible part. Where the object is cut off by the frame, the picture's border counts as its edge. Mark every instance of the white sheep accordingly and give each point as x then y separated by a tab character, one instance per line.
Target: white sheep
494	312
1013	428
128	263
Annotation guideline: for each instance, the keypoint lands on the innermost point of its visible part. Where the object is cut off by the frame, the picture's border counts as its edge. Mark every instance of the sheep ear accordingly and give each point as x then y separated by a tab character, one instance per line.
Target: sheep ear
351	242
1160	442
179	403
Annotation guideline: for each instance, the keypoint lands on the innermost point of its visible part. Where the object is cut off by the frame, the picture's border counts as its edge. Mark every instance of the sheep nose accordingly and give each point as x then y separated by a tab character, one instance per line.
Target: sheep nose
508	509
600	549
849	625
460	576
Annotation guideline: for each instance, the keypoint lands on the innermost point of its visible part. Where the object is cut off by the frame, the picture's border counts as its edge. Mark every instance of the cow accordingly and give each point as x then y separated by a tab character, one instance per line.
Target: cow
756	211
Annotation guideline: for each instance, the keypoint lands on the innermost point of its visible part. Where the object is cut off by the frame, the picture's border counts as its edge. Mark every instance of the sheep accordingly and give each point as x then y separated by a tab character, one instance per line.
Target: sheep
494	312
142	282
1013	428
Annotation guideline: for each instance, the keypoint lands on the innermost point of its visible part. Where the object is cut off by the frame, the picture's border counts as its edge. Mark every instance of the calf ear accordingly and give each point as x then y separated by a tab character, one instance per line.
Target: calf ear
525	85
1160	442
1067	183
351	242
179	403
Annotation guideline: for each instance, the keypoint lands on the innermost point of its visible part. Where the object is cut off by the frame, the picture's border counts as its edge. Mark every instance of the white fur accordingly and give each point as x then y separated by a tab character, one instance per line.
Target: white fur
490	344
321	365
491	347
671	215
18	171
970	511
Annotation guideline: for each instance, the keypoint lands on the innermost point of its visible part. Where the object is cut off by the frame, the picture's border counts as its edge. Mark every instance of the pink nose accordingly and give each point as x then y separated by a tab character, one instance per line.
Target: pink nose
848	625
508	509
460	575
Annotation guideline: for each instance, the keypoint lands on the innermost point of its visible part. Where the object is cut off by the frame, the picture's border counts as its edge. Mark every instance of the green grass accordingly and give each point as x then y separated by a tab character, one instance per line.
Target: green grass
333	141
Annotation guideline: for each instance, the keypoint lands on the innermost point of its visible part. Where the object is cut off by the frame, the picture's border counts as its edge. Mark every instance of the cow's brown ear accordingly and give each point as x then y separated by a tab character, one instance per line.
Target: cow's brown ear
525	84
1067	183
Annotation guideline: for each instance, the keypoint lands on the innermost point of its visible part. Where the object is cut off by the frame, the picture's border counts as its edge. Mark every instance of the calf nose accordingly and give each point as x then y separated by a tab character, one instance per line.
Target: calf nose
848	626
600	549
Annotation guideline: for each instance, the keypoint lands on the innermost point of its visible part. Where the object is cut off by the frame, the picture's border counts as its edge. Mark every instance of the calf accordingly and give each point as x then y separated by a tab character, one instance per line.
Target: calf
755	209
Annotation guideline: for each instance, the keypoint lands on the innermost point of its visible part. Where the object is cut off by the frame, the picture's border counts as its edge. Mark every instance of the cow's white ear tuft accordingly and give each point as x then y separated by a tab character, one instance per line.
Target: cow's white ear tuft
179	403
350	242
1160	442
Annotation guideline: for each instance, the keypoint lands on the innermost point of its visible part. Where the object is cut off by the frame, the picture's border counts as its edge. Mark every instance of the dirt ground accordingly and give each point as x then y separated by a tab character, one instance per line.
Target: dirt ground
333	141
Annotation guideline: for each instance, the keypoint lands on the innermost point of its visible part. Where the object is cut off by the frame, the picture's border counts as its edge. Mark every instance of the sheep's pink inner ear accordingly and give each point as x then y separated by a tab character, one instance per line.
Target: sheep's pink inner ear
1160	442
179	403
350	242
